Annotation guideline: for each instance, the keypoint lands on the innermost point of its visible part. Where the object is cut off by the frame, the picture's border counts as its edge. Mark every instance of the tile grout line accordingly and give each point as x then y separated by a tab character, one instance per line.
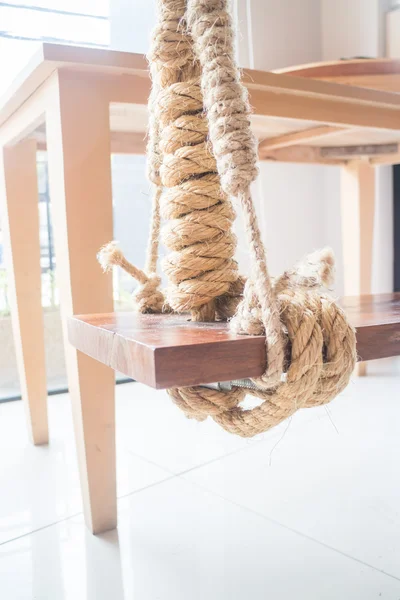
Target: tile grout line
173	475
292	530
167	470
181	475
147	487
221	497
199	466
233	503
18	537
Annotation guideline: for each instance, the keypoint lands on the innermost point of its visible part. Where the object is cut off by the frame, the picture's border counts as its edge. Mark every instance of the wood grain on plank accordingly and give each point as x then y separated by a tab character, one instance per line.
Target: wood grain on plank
169	350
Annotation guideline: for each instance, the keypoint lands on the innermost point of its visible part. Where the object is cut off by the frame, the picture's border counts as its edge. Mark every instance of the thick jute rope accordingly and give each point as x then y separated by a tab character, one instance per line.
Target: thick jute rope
203	152
200	265
321	358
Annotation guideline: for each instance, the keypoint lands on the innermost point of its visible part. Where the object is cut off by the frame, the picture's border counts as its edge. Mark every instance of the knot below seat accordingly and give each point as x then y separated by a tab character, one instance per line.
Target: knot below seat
319	346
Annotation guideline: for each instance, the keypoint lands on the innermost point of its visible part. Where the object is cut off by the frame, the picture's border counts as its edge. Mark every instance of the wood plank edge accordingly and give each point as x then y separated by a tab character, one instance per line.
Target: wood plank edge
378	341
236	352
134	359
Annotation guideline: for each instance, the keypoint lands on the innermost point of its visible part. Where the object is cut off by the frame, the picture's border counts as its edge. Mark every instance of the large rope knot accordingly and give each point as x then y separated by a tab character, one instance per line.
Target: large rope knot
319	349
148	298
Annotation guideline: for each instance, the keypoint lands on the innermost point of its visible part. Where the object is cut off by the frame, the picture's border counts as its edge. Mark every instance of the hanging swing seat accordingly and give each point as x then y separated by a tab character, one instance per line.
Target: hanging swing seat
165	351
214	331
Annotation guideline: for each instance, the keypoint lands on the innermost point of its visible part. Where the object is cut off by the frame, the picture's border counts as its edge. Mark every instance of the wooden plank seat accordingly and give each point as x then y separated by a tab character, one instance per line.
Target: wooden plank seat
169	350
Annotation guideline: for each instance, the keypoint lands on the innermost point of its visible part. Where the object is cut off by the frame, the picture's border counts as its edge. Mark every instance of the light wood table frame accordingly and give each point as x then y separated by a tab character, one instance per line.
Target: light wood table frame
66	93
81	104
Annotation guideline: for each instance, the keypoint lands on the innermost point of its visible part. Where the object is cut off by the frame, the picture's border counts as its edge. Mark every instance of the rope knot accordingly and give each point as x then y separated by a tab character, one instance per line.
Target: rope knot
148	297
319	353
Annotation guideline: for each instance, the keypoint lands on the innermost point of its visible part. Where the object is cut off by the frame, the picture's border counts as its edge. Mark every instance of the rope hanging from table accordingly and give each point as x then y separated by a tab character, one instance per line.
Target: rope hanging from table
202	153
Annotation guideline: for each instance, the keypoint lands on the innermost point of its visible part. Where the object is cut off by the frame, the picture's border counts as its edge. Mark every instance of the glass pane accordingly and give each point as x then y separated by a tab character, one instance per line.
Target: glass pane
90	7
14	56
132	207
4	307
32	24
42	176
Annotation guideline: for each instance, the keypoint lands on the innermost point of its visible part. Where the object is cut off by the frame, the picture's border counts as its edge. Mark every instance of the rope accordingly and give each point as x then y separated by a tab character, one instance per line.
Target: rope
200	265
202	153
235	149
321	348
148	298
153	243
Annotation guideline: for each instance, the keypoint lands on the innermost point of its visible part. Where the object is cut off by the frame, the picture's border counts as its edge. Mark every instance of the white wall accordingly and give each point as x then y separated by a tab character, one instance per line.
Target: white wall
353	27
285	32
350	28
289	198
383	255
131	22
356	28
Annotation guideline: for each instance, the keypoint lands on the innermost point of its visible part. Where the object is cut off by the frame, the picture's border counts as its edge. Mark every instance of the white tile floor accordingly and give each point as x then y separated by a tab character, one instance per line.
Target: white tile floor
310	510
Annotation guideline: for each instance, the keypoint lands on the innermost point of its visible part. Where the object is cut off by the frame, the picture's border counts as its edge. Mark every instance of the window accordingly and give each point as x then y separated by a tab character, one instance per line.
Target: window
23	24
84	22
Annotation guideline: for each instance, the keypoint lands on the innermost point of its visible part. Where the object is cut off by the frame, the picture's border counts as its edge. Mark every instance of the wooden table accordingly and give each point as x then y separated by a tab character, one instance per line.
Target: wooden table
376	74
61	101
81	104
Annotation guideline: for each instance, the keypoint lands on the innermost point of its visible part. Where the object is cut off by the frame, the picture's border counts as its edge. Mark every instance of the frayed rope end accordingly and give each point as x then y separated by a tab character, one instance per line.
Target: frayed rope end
109	255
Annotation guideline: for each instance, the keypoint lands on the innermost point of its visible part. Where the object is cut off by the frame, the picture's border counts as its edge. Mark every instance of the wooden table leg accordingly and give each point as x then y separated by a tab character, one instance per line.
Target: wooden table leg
78	142
357	210
21	227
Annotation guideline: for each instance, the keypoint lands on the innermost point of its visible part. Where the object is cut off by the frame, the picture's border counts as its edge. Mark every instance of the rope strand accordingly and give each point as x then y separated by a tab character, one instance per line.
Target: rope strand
148	298
235	149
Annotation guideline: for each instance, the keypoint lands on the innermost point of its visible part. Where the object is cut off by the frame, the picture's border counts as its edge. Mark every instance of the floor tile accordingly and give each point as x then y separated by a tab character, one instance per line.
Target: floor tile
177	542
334	477
151	426
40	485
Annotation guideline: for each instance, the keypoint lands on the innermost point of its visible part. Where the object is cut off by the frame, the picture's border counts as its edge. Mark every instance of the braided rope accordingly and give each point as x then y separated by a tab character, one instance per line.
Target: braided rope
235	149
201	152
200	266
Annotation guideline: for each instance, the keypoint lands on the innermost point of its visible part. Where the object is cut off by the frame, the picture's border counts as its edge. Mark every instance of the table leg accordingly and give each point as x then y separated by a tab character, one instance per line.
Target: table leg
357	210
21	227
78	142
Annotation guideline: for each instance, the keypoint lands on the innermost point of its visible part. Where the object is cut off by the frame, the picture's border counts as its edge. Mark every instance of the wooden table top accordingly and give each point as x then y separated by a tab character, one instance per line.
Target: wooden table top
374	73
299	115
50	57
169	350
